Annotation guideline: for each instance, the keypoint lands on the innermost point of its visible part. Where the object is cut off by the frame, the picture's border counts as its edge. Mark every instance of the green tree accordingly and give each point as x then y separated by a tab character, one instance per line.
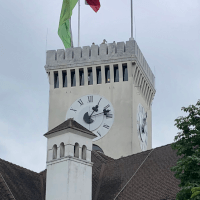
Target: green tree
187	144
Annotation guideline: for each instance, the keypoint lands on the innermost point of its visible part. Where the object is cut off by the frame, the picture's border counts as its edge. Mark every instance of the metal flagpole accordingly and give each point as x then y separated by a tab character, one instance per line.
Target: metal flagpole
79	4
131	20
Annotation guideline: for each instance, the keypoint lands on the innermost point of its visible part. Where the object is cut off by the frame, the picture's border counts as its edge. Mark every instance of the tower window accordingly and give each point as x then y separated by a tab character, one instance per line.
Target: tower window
84	148
56	80
73	78
116	73
90	76
64	76
81	77
62	150
54	151
76	150
125	72
107	74
98	72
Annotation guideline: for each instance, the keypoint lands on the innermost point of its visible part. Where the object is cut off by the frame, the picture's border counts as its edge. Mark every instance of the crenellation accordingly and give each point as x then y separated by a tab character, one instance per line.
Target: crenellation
86	52
111	52
77	53
69	54
120	48
112	49
60	55
94	52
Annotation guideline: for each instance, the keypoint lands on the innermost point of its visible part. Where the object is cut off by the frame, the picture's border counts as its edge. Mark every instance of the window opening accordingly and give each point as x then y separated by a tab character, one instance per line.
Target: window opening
107	74
56	80
116	73
84	148
76	150
64	76
62	150
54	151
98	72
90	76
73	78
125	72
81	77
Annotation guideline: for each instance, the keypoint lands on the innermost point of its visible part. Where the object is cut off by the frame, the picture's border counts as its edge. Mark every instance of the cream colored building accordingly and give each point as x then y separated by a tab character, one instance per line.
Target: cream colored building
117	73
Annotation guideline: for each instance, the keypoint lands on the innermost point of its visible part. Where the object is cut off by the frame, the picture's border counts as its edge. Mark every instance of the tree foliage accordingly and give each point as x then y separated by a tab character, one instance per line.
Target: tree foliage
187	144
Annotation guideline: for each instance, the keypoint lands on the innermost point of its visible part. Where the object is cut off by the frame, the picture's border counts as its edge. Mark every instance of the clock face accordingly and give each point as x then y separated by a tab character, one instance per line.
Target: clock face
142	127
94	112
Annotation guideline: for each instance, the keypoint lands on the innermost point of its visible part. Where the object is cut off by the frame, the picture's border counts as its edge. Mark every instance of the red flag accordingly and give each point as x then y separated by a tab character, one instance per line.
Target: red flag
94	4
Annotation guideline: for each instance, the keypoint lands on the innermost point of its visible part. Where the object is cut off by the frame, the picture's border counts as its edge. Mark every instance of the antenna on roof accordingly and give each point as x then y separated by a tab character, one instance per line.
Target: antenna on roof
79	10
131	20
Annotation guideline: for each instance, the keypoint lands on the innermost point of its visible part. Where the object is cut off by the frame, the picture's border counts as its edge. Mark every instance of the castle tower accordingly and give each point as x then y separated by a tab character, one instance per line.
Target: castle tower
69	166
108	89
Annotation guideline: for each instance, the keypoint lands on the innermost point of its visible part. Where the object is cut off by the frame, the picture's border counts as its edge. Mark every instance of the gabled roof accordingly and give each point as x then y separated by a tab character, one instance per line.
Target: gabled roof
70	123
142	176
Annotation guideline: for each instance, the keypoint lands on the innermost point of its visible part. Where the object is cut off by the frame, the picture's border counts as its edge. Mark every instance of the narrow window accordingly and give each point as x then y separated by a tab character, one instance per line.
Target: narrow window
107	74
73	78
116	73
90	76
62	150
64	76
84	148
81	76
54	151
98	72
76	150
125	72
56	80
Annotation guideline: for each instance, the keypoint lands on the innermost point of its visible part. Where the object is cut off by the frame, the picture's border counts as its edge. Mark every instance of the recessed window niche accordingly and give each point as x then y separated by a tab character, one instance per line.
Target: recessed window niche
98	73
73	78
107	74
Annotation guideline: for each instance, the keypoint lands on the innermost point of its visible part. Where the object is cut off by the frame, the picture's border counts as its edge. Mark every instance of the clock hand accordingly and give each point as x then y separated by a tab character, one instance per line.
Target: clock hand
105	112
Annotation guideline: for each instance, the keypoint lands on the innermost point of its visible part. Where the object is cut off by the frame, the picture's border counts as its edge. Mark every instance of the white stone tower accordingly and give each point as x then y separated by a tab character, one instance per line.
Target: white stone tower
69	166
108	89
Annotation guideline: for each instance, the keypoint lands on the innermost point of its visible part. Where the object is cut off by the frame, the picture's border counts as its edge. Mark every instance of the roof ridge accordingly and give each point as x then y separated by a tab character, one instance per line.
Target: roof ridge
144	151
18	166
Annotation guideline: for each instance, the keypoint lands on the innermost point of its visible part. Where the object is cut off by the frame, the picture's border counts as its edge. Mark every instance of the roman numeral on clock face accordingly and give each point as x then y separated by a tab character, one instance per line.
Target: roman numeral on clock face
73	109
106	126
109	116
107	106
80	101
90	99
99	133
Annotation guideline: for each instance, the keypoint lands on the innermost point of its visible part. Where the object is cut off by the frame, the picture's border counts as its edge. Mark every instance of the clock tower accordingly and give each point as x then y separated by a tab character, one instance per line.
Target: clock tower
108	89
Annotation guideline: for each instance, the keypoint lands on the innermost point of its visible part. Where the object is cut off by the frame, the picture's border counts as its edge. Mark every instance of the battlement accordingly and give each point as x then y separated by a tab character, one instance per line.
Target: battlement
97	55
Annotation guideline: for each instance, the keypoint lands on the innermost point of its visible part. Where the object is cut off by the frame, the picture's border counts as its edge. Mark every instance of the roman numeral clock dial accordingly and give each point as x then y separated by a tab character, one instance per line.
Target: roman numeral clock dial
142	127
94	112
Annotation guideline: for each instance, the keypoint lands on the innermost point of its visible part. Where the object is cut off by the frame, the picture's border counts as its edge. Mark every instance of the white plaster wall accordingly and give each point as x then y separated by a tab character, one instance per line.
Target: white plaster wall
68	179
121	140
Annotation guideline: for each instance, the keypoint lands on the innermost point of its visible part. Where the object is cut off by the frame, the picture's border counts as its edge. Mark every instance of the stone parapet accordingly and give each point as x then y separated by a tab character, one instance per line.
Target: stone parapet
97	55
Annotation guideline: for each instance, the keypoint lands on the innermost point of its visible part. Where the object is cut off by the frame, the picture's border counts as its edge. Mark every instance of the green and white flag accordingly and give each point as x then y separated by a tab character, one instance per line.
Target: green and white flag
64	29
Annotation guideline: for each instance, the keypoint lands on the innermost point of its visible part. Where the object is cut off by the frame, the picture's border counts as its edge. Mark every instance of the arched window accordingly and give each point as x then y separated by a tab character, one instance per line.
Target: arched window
76	150
84	148
62	150
54	151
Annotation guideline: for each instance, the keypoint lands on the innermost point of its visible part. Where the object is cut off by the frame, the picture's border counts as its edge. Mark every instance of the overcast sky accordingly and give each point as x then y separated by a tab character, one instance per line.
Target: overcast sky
167	32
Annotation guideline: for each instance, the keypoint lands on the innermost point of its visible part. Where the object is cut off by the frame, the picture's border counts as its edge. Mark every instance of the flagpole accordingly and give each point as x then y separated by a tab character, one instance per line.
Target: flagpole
131	20
79	4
